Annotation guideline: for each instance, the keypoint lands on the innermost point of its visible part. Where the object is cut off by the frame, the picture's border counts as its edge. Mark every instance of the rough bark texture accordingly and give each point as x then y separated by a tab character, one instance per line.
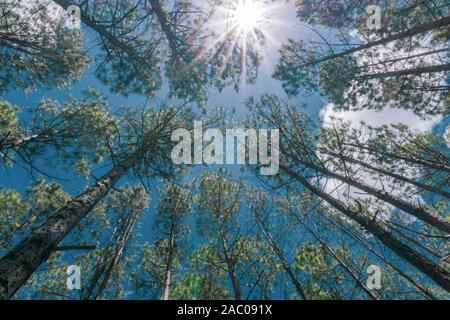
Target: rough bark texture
170	258
21	261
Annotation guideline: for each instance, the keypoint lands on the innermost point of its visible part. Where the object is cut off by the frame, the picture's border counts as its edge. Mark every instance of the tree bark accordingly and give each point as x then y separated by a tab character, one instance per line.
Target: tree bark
407	72
21	261
287	268
169	266
110	257
389	173
102	31
165	26
420	213
19	142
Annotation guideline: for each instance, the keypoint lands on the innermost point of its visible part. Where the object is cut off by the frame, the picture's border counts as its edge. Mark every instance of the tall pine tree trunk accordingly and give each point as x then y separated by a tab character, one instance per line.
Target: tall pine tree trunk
21	261
432	219
230	266
111	256
169	265
388	173
285	265
344	265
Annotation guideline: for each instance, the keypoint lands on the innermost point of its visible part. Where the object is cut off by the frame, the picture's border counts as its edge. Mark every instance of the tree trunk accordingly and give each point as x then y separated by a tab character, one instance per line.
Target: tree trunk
389	173
399	36
420	213
17	143
169	266
411	159
363	243
230	267
407	72
103	32
344	265
439	275
110	257
165	26
287	268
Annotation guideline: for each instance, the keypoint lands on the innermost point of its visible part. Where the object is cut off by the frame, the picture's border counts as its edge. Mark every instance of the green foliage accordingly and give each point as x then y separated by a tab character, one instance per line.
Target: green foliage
217	237
37	49
20	213
79	132
359	69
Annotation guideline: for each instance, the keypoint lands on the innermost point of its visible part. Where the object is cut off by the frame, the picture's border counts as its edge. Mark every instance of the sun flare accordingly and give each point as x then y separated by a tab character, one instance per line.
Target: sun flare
241	28
247	15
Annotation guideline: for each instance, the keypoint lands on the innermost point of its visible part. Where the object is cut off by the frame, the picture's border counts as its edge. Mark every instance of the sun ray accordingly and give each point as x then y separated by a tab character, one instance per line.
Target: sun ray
243	26
228	55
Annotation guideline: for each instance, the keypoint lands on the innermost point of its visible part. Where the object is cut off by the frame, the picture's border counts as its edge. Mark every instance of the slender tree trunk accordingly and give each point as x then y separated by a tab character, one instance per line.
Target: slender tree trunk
409	159
444	22
110	257
103	32
380	256
169	266
407	57
434	220
231	272
389	173
165	26
18	142
167	283
339	260
407	72
439	275
287	268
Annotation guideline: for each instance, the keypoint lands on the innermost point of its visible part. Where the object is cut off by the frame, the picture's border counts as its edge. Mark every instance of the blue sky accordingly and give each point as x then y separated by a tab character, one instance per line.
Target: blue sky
17	178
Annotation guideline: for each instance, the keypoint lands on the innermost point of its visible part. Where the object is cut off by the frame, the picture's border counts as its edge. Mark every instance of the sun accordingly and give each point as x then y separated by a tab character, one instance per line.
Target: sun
247	15
240	29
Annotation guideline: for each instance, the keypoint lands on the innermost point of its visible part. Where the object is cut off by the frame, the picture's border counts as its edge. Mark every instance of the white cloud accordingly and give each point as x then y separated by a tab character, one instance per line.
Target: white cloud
379	118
